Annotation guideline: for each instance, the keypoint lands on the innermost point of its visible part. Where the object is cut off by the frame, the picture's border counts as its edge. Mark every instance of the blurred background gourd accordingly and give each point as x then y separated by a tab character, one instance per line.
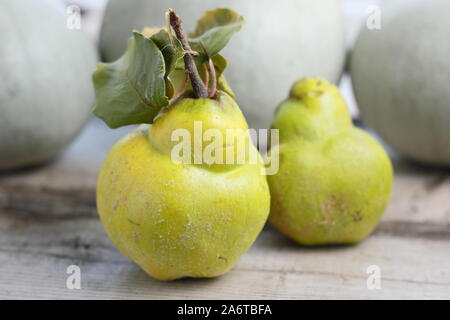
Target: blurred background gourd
280	42
401	78
45	90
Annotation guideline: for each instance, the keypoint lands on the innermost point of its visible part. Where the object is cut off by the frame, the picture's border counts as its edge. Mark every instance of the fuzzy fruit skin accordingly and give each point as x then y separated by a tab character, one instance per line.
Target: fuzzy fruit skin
334	180
181	220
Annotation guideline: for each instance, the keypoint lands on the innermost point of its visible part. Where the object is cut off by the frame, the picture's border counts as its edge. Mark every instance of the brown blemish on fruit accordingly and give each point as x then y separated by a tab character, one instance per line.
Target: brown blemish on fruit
135	237
357	217
330	207
133	222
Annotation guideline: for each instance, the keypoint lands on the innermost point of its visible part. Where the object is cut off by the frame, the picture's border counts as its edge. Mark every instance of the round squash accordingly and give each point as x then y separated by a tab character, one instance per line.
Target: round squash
46	93
401	78
279	43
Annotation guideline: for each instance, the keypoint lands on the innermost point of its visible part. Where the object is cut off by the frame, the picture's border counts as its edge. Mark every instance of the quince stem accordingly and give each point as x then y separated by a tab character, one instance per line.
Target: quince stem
212	70
206	71
199	88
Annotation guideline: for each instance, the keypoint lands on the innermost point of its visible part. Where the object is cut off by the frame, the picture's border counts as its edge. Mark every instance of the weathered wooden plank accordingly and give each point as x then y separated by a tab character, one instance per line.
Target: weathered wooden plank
34	254
420	194
271	269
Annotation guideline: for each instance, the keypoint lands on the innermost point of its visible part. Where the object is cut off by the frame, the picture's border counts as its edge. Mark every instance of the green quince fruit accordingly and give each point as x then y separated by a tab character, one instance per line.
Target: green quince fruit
334	180
183	219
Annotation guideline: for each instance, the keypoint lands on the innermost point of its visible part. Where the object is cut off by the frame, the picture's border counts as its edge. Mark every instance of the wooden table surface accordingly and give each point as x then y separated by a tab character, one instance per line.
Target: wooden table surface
48	221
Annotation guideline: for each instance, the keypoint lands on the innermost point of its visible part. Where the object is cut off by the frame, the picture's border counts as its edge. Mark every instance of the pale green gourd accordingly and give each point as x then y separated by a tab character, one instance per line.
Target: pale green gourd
46	93
401	79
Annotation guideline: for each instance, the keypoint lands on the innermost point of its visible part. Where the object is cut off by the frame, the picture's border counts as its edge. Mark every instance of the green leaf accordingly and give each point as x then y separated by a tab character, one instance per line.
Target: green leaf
133	89
145	69
214	30
171	49
119	107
